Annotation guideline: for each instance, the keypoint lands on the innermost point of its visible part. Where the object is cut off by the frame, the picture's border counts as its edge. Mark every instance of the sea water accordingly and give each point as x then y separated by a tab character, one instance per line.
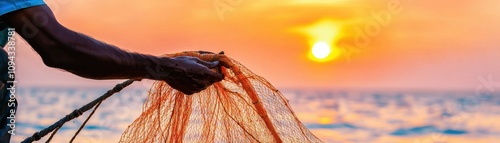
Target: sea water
332	115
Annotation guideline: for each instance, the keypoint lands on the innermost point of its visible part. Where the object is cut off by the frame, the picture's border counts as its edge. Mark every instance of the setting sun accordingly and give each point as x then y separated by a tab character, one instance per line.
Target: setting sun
321	50
322	36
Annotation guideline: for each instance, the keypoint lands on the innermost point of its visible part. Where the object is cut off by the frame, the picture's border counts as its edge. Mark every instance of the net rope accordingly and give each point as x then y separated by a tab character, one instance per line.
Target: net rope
76	113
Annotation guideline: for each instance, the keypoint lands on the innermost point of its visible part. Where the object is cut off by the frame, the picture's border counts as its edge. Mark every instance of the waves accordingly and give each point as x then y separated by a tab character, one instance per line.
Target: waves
333	116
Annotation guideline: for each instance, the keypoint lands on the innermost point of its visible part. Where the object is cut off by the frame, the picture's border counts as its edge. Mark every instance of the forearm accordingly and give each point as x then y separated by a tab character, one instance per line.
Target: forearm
62	48
87	57
90	58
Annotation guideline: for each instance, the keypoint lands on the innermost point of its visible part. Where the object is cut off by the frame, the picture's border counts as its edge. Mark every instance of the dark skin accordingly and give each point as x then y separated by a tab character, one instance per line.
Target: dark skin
84	56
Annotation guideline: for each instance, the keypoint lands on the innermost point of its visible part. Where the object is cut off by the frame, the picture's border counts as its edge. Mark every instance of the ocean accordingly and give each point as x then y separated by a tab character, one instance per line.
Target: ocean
332	115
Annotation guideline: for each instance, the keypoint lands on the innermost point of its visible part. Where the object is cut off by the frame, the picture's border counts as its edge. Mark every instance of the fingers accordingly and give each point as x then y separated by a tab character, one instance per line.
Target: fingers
209	65
201	85
212	76
192	89
205	52
187	88
194	75
188	85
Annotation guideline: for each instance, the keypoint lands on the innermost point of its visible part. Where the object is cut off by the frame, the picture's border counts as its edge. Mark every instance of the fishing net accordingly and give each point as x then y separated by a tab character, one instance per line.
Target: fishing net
243	107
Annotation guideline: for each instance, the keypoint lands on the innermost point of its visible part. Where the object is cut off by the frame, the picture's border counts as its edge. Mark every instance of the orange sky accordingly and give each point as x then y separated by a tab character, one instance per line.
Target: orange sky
428	45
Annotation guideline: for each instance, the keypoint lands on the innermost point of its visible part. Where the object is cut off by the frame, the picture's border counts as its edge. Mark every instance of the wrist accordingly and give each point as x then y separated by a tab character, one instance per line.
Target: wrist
156	68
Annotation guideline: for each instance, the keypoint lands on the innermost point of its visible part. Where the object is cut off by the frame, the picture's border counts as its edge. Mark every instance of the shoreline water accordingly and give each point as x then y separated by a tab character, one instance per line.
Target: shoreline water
333	116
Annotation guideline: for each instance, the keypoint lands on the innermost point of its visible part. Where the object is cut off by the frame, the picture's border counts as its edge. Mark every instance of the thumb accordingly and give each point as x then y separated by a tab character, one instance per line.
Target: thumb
209	65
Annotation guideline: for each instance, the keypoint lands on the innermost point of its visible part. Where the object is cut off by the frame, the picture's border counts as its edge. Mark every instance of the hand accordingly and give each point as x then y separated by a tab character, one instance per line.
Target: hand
187	74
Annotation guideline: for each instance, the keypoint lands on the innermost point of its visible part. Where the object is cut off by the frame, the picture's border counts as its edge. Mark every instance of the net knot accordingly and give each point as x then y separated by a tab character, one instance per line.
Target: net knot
36	136
75	113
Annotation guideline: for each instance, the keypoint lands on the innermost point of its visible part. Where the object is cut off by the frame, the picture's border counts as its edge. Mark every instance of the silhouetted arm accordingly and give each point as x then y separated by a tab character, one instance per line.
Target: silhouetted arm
79	54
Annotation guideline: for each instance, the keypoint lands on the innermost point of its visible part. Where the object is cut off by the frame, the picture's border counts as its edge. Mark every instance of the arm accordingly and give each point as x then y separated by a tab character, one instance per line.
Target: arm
84	56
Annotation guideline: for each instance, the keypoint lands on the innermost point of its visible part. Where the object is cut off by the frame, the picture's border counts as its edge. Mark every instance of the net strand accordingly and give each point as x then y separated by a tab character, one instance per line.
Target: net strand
85	122
52	135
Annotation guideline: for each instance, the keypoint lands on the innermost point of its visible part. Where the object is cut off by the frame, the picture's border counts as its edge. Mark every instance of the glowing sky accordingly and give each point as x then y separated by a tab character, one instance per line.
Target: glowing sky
427	45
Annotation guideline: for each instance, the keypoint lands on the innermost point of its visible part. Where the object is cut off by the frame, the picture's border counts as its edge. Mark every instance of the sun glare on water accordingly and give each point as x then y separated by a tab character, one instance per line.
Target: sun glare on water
325	120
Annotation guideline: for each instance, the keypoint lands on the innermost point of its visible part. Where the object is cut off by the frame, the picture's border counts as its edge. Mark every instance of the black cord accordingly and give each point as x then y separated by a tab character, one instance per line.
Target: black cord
76	113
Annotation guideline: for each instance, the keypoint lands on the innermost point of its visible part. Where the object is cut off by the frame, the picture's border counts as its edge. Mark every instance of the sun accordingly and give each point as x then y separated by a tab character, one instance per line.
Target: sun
323	37
321	50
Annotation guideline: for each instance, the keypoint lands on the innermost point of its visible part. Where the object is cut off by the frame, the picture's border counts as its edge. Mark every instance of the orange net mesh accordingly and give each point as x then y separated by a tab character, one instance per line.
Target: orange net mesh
243	107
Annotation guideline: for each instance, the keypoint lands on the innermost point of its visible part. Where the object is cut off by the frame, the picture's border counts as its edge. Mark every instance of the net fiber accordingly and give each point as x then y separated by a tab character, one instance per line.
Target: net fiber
243	107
